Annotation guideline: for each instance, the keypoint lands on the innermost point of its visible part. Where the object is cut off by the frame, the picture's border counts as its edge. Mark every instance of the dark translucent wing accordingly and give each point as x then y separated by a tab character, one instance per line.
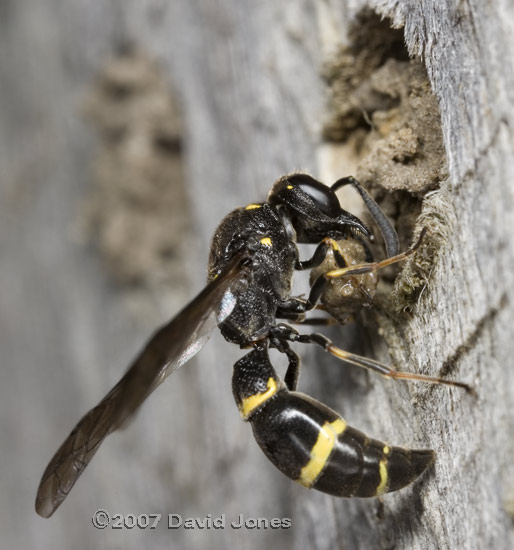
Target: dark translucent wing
169	348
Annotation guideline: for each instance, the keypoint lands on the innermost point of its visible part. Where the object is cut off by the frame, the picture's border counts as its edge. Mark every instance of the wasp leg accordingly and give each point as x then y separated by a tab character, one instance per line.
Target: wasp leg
277	341
293	370
320	254
293	316
317	289
321	282
294	308
316	321
294	312
289	333
390	236
375	266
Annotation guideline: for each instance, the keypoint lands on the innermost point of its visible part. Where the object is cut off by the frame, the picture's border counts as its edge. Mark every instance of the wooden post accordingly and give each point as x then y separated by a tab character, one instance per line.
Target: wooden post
248	76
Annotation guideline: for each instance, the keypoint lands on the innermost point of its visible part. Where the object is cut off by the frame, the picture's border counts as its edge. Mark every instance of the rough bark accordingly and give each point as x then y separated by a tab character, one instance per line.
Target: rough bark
248	75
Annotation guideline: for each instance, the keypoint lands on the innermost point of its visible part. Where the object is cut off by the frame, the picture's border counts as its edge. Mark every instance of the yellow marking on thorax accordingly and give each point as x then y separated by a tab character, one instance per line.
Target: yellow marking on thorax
266	241
253	206
289	187
321	451
250	403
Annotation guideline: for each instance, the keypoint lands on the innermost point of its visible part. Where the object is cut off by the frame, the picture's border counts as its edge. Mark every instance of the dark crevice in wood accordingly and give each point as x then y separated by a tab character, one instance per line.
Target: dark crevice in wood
451	364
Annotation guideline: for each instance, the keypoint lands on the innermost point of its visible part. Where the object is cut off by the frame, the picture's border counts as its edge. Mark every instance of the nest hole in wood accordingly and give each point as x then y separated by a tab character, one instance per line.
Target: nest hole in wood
383	115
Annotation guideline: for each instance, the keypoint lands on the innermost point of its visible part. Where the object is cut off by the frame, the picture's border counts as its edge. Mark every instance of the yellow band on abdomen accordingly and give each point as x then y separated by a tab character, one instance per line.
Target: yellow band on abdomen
321	451
248	404
382	470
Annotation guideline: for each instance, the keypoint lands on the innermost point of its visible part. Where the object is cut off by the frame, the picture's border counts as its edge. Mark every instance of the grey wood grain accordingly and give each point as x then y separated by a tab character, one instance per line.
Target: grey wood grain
248	75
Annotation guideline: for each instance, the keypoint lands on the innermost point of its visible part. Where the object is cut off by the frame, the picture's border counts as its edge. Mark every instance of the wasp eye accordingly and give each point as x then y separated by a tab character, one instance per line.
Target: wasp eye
322	195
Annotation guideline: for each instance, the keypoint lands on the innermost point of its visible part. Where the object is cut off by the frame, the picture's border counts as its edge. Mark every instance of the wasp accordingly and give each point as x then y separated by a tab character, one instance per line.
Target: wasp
253	258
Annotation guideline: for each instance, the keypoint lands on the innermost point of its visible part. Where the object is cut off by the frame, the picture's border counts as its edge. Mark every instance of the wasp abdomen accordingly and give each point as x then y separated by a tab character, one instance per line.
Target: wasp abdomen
313	445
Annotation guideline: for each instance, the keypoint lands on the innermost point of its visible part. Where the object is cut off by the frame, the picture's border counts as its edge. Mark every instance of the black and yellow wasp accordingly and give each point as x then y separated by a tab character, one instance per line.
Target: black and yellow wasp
252	261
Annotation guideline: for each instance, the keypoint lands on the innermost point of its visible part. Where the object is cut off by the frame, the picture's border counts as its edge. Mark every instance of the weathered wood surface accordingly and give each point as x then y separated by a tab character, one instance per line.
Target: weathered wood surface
248	75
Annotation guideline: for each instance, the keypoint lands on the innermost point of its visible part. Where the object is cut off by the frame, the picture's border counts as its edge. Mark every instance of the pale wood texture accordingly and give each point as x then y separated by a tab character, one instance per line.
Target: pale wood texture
248	75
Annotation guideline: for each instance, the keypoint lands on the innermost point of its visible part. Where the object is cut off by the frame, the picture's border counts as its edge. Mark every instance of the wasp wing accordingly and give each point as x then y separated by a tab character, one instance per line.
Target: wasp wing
169	348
